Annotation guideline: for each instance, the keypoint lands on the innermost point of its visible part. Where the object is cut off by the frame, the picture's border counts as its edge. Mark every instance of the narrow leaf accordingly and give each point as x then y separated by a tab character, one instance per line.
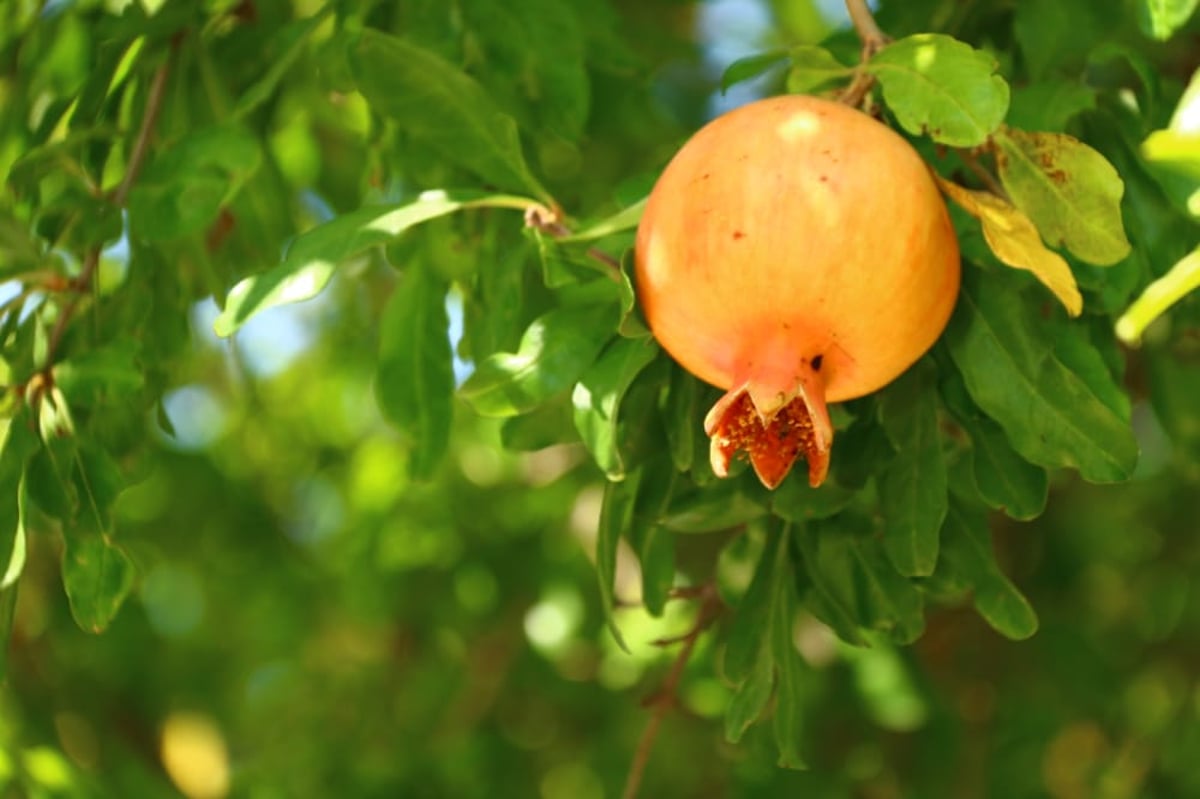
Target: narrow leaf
616	516
1005	480
625	219
967	553
942	87
554	352
598	394
1051	415
440	104
656	553
285	47
415	378
312	257
751	696
789	702
1182	279
1068	189
751	67
20	444
1014	239
913	487
748	634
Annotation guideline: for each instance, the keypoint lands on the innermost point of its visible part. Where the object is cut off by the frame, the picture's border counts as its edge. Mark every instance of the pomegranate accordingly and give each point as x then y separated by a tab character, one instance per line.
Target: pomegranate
795	252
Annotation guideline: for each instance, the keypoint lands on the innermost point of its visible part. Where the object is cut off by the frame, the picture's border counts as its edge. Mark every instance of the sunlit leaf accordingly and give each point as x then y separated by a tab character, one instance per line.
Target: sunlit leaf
1052	415
1162	18
625	219
554	353
1068	189
1014	239
437	102
939	86
312	257
415	379
597	398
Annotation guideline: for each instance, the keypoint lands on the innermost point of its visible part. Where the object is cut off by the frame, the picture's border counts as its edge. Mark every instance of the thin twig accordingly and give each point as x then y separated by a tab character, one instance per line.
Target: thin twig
664	699
137	156
981	172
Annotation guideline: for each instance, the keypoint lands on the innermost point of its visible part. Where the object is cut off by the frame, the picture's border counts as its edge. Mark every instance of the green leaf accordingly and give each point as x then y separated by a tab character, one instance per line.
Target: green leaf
751	696
597	398
681	416
939	86
1068	189
751	67
616	517
625	219
967	554
797	501
656	553
912	489
556	349
110	371
789	704
748	635
813	67
1049	105
184	189
20	444
1161	18
1052	415
853	586
97	576
439	104
312	257
1005	480
415	377
284	48
720	507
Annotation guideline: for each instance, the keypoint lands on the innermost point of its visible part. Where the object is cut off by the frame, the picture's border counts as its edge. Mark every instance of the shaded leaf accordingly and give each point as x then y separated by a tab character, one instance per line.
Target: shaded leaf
853	586
597	398
415	378
285	47
20	444
1014	239
1005	480
554	352
440	104
97	576
912	489
942	87
616	516
1068	189
184	189
789	704
748	635
967	553
751	67
720	507
1051	415
751	695
813	67
680	416
1049	104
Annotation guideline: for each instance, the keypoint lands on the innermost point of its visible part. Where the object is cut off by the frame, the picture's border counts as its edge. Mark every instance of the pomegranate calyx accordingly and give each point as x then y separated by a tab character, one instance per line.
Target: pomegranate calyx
773	428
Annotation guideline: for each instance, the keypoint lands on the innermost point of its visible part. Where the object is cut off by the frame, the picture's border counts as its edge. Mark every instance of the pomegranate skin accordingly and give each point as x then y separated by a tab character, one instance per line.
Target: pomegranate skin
794	252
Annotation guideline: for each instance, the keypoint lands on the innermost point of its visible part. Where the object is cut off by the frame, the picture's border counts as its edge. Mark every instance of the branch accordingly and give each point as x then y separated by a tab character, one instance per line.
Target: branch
664	699
864	24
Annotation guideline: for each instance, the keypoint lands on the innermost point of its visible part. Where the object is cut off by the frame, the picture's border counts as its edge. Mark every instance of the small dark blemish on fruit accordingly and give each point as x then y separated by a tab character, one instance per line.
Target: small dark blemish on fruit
824	178
816	363
737	234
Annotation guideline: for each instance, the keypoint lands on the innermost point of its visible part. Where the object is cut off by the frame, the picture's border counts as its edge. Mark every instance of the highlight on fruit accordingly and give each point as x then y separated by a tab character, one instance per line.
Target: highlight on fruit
795	252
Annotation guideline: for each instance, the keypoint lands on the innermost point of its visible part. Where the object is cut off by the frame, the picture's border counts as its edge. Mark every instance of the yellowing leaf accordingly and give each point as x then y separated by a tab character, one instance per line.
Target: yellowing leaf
1015	241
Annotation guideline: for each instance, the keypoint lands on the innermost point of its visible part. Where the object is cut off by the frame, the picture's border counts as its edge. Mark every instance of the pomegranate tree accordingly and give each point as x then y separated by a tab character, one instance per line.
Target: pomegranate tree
795	252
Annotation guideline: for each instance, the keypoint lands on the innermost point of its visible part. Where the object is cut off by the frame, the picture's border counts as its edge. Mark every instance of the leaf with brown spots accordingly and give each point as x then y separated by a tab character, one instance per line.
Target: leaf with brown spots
1015	241
1068	189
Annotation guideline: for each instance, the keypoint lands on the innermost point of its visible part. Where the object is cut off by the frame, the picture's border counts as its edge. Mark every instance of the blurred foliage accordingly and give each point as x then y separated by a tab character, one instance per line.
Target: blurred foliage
353	550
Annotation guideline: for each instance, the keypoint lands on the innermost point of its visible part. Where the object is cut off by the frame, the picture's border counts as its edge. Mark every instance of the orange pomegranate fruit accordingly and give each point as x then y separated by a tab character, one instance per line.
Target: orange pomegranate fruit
795	252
